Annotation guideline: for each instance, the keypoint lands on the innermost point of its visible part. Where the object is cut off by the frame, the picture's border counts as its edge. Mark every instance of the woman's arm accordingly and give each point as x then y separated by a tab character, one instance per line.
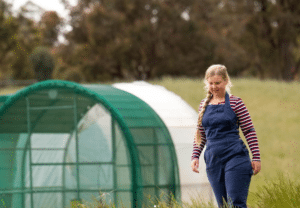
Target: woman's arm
197	149
247	127
199	133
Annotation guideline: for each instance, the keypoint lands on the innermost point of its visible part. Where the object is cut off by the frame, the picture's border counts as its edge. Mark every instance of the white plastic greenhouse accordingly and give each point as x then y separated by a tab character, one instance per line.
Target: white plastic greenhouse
180	119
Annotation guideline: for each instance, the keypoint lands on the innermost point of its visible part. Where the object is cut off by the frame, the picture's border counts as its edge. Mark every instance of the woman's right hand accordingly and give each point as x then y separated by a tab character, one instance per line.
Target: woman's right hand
195	165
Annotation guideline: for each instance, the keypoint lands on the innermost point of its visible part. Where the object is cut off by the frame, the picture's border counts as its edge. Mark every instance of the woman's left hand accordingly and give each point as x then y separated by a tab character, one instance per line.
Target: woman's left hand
256	166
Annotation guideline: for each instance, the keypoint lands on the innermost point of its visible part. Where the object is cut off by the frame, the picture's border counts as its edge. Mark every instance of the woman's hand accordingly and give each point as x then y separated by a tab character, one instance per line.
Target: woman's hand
195	165
256	166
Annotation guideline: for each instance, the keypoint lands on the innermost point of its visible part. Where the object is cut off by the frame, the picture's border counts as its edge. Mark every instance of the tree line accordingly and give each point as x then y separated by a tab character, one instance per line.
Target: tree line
146	39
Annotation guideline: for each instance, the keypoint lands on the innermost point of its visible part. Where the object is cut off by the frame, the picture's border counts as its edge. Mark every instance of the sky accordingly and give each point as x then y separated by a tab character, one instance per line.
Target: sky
53	5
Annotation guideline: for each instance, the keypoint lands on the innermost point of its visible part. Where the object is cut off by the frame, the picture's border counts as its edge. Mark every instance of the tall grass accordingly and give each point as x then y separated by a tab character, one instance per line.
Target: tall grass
154	203
278	192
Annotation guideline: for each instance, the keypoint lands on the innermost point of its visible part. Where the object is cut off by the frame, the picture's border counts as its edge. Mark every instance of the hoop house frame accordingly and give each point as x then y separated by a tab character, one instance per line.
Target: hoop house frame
62	141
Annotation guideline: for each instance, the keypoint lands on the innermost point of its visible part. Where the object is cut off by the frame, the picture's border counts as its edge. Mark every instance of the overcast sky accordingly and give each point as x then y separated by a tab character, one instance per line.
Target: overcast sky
53	5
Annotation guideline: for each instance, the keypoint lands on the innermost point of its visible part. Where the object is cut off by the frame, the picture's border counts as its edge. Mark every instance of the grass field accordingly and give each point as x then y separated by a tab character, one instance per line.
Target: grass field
275	112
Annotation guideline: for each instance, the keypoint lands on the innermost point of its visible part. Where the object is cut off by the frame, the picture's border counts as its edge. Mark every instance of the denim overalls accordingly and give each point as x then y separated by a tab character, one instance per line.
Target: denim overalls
228	165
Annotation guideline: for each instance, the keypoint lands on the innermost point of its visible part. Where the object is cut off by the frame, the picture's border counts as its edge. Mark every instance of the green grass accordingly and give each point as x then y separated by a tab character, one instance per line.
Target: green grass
274	109
275	112
162	202
8	90
278	192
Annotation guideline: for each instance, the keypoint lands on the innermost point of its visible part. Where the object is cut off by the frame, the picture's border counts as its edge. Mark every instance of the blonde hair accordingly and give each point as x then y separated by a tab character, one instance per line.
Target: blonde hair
213	70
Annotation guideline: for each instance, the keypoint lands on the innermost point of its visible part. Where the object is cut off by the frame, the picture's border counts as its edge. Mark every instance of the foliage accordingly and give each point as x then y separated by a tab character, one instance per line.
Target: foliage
100	201
71	74
8	41
135	39
268	31
279	192
164	201
147	39
19	37
43	63
49	25
25	38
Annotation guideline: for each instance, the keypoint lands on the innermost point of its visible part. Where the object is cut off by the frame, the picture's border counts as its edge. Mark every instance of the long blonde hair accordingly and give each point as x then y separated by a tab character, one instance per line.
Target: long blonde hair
213	70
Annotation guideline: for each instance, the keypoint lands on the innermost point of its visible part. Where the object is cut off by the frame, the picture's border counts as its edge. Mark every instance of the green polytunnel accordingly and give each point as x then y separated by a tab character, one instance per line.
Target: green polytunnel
62	142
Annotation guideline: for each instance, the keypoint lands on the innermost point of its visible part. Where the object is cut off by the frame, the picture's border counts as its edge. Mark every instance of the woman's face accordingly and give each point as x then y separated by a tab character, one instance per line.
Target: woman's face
217	85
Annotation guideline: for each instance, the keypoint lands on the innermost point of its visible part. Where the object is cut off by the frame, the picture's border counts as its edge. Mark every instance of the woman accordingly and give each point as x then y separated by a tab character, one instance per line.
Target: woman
228	164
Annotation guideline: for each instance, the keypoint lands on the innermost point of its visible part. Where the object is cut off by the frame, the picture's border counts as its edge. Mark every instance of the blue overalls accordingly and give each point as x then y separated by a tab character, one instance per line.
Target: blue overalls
228	165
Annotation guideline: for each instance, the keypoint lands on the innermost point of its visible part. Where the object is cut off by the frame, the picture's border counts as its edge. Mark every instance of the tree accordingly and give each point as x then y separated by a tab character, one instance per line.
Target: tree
268	32
50	26
19	35
8	40
137	39
43	63
27	38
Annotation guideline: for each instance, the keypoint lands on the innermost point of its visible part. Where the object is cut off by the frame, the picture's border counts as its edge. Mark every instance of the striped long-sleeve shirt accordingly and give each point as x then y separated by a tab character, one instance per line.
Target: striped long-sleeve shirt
245	122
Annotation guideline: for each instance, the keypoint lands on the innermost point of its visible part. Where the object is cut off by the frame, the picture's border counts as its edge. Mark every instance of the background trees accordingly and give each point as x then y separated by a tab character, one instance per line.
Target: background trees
145	39
269	34
135	39
8	40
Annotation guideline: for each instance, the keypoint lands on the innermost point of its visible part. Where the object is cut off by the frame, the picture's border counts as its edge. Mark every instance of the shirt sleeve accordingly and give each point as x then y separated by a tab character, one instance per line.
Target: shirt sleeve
247	128
197	150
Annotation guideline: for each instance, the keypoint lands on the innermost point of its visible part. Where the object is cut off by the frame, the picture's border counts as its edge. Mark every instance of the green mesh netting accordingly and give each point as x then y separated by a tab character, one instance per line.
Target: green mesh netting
62	142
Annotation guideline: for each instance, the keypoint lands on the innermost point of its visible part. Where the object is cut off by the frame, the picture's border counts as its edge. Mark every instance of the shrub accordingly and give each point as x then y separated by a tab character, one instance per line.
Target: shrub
278	193
43	63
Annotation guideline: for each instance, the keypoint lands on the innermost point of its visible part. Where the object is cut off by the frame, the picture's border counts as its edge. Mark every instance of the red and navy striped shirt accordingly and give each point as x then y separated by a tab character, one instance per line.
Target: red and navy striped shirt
245	122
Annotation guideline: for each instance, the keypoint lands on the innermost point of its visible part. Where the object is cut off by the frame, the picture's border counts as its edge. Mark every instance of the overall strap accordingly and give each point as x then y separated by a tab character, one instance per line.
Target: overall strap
229	109
227	102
